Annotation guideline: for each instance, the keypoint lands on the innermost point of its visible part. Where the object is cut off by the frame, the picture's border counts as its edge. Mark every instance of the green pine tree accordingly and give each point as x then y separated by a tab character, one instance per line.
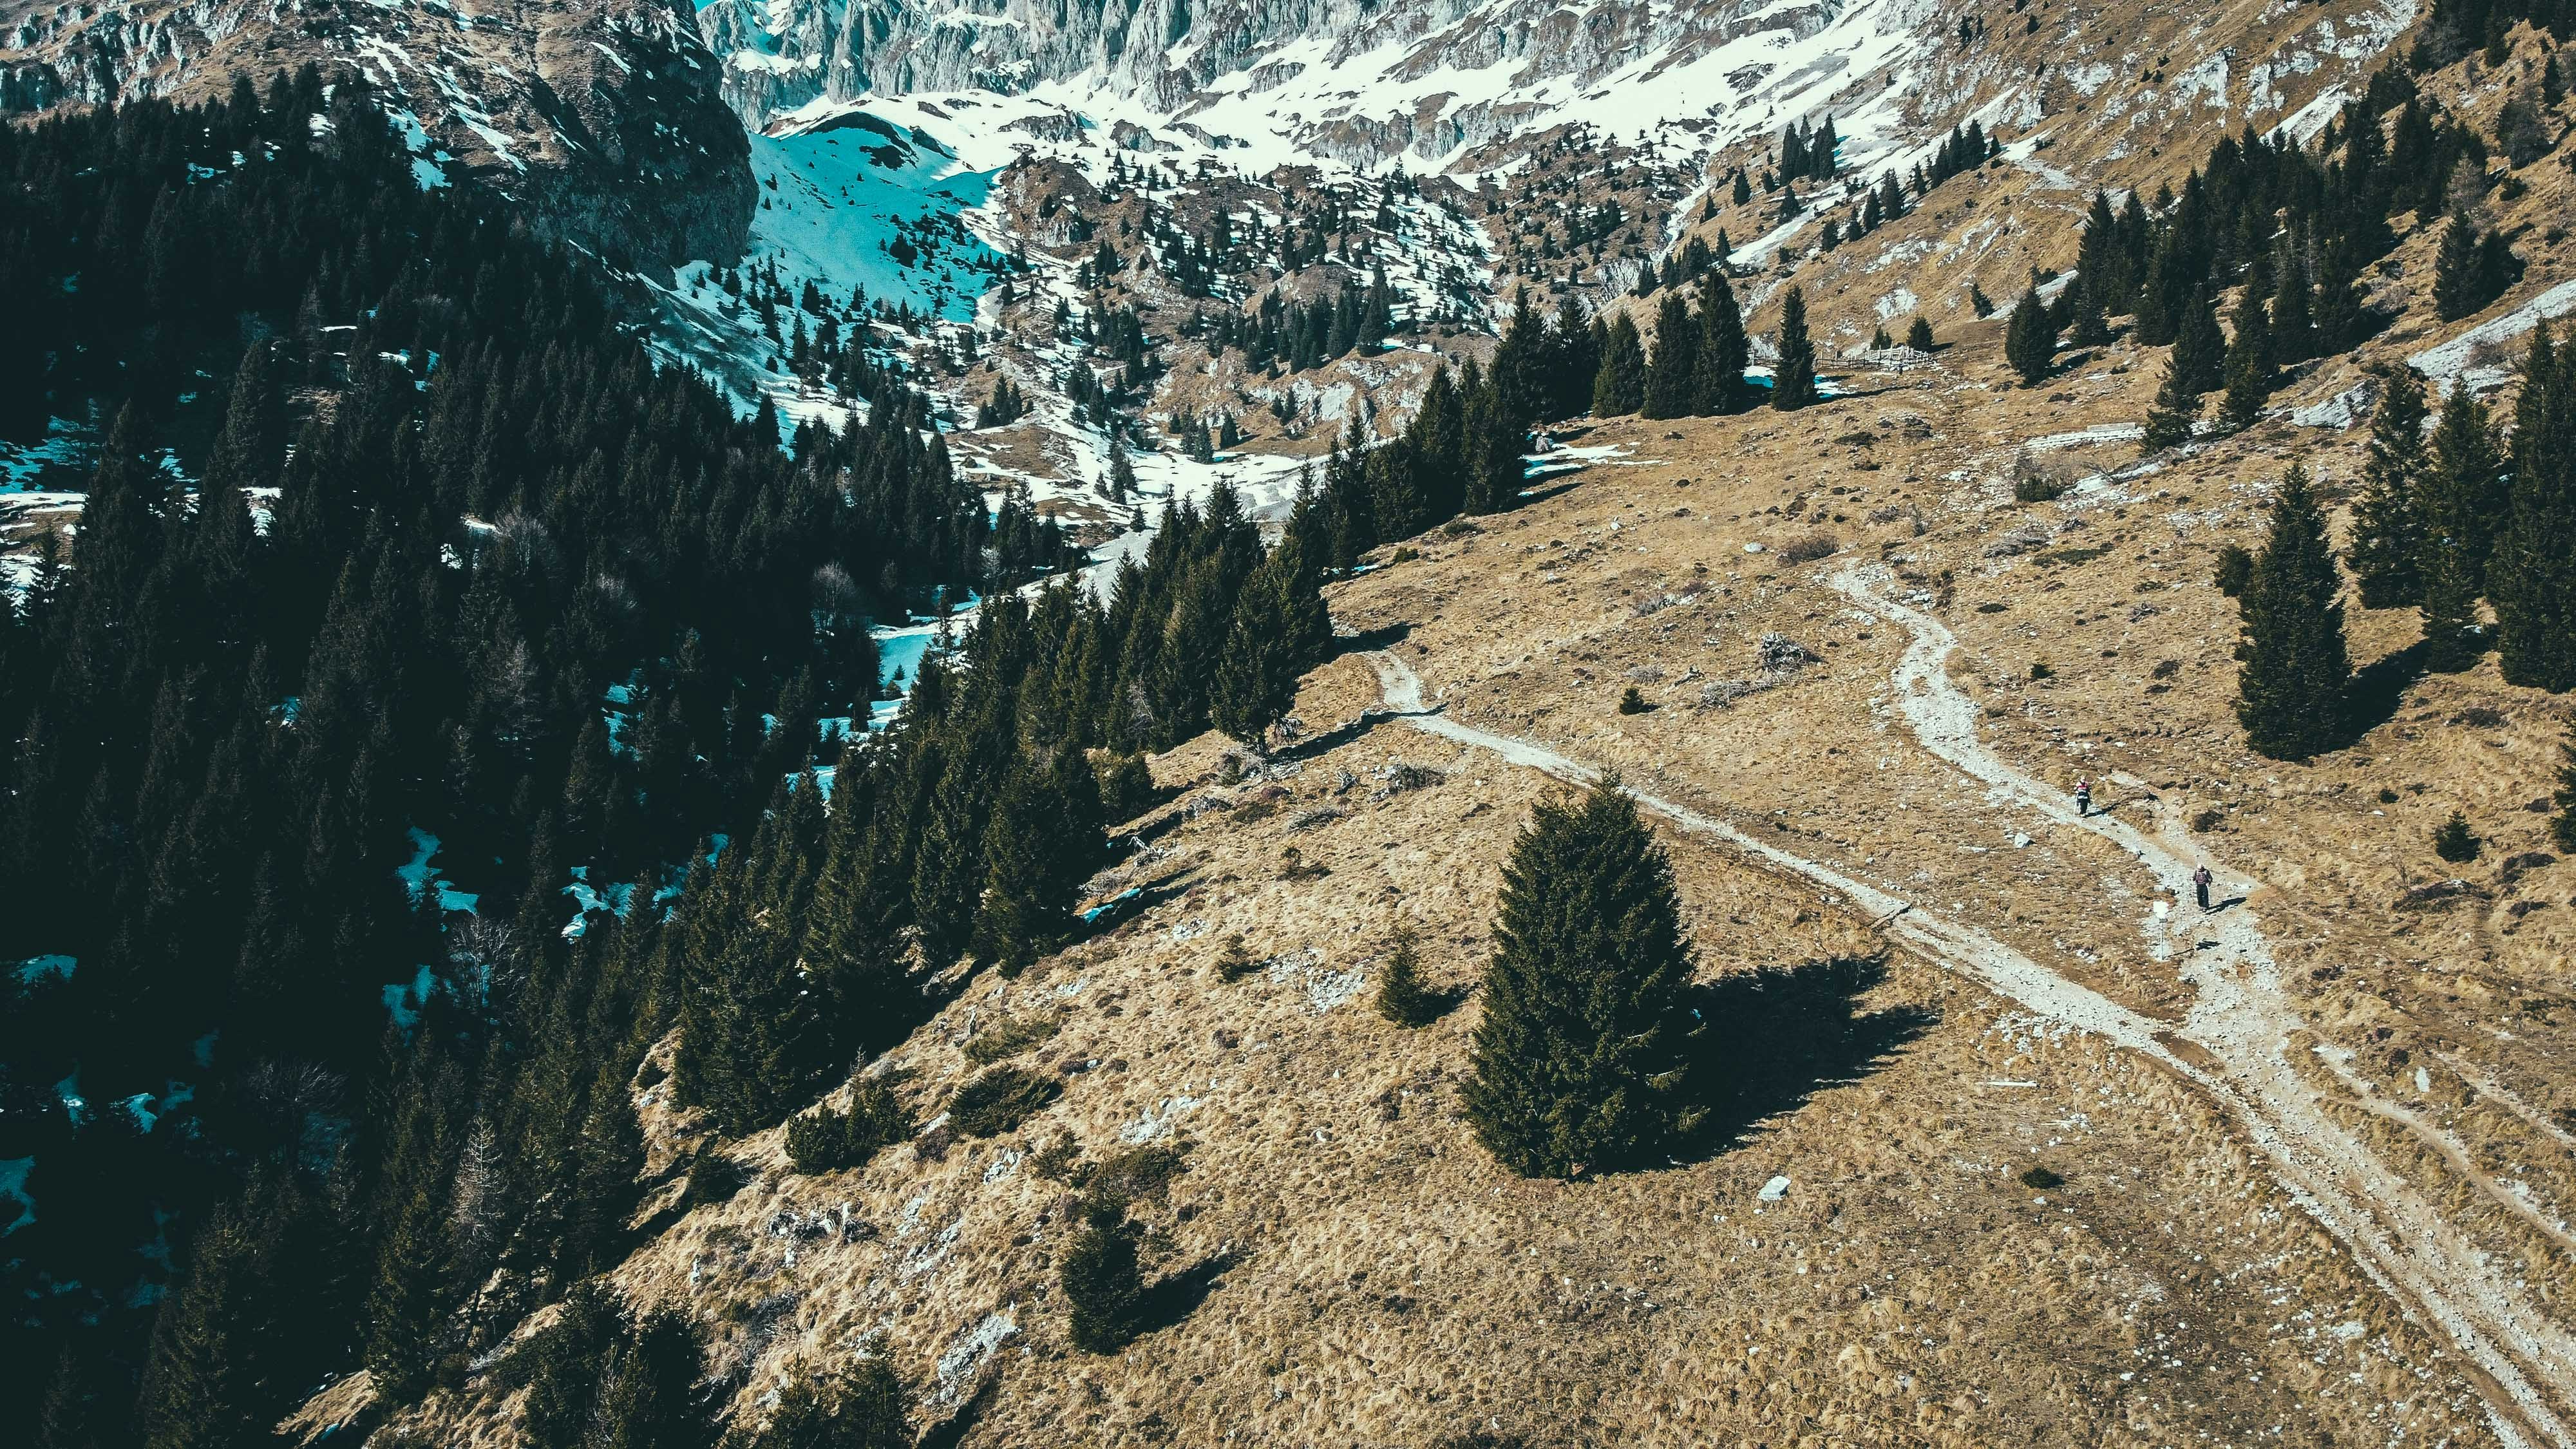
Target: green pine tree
1793	382
2030	339
1723	350
564	1365
1919	335
2249	368
1673	375
1619	387
2455	841
2459	276
1104	1287
2458	519
202	1388
2171	415
2466	476
2562	824
864	1408
2290	694
2199	347
1256	677
1401	996
2293	303
649	1397
2387	524
2532	580
1494	443
1578	1061
1027	905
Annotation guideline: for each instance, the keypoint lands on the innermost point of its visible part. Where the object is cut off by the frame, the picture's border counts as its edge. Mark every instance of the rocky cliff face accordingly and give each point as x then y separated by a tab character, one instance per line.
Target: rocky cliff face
601	116
1418	77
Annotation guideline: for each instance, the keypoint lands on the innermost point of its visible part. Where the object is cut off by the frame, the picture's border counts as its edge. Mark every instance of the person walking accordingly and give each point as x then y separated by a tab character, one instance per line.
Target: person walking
2200	880
2083	798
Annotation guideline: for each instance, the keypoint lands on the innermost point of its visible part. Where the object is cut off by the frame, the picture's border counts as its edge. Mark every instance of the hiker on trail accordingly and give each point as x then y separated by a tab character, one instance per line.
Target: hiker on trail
2200	880
2083	799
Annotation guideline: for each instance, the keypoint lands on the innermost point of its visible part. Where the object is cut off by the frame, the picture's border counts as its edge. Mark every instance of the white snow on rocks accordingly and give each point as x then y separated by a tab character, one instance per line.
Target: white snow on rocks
2453	360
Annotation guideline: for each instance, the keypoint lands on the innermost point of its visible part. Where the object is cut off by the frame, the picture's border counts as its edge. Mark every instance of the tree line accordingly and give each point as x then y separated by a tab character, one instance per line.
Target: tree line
2441	524
399	554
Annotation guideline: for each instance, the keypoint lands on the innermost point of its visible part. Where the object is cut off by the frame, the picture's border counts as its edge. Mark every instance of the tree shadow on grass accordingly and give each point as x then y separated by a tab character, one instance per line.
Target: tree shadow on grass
950	1432
1384	636
2378	689
1306	747
1176	1296
1770	1039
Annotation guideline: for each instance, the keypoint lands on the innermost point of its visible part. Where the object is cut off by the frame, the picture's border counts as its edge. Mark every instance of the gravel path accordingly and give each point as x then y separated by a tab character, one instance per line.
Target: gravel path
2234	1043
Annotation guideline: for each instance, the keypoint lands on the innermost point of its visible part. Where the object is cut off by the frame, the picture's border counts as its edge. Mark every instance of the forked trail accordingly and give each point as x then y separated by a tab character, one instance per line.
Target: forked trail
2242	1028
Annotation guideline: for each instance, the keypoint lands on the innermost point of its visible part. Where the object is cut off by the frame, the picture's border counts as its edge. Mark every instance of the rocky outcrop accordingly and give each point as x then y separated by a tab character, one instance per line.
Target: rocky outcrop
602	116
782	53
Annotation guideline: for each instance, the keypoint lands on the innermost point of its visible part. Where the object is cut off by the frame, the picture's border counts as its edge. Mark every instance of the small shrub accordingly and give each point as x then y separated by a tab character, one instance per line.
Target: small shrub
1780	654
1406	554
2039	670
2165	669
2387	796
1992	608
2455	842
864	1408
1138	1174
2207	821
1011	1038
1809	549
1126	786
713	1177
1104	1288
1233	962
1058	1160
2235	566
1632	702
1000	1100
2042	1178
1294	866
828	1141
2034	483
1401	996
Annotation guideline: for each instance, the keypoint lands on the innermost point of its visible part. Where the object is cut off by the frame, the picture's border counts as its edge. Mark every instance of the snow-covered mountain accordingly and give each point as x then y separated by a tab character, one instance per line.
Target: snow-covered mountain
1349	79
601	117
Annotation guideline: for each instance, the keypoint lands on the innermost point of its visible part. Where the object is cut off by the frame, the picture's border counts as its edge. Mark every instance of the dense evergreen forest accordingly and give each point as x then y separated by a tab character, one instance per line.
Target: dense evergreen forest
438	705
407	593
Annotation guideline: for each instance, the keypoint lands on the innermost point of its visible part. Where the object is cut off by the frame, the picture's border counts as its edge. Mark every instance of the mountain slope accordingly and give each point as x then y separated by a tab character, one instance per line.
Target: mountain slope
598	116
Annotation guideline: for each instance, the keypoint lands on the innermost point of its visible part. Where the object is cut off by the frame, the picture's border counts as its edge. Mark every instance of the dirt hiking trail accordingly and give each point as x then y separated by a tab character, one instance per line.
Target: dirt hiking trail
2234	1043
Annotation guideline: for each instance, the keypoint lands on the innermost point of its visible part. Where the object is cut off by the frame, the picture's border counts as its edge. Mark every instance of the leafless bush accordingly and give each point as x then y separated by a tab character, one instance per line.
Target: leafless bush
2037	480
1395	777
2029	538
1809	548
1781	654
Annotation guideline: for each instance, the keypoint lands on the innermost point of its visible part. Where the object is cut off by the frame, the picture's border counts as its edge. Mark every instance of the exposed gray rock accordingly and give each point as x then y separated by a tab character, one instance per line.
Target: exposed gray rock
782	53
602	116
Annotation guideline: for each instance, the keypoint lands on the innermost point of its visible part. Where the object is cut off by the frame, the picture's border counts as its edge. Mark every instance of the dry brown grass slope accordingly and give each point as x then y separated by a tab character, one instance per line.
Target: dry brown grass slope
1386	1284
2354	1083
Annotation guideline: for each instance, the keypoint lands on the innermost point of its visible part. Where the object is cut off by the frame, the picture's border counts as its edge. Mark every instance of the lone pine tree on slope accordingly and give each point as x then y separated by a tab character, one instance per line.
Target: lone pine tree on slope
1579	1057
2290	695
